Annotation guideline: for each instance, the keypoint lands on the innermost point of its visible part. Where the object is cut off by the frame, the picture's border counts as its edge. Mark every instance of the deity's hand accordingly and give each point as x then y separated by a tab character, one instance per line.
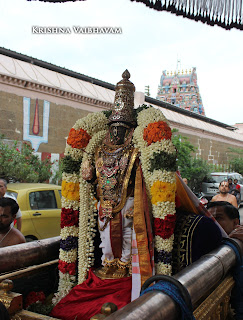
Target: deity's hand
87	171
237	232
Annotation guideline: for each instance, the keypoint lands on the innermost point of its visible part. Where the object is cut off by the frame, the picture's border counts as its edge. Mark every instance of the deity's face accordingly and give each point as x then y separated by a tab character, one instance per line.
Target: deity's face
118	133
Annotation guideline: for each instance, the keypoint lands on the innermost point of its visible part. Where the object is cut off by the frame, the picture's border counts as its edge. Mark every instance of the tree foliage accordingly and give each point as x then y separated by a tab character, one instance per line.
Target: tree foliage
236	160
184	151
21	164
189	166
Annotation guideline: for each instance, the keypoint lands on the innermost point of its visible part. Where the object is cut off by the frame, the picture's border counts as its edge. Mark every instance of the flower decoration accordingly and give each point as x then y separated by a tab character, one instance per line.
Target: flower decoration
38	303
78	203
162	191
67	267
78	138
70	190
163	160
164	227
152	137
34	297
158	159
157	131
69	217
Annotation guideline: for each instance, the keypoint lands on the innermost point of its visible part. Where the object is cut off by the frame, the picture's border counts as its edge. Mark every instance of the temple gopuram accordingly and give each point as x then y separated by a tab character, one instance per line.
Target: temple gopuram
181	89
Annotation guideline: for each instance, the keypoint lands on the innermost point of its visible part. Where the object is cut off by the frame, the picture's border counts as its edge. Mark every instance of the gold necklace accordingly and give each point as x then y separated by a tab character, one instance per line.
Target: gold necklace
6	235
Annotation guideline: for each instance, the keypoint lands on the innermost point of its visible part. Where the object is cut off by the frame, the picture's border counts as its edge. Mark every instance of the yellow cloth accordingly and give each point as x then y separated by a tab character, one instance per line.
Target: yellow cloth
141	230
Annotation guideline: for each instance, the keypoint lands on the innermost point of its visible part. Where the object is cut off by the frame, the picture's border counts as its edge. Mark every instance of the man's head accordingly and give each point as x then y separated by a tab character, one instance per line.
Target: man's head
185	180
8	210
224	187
230	181
225	214
3	187
235	181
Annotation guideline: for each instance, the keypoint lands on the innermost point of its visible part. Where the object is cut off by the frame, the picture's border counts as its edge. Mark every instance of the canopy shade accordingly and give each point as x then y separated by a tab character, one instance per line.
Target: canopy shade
58	0
227	14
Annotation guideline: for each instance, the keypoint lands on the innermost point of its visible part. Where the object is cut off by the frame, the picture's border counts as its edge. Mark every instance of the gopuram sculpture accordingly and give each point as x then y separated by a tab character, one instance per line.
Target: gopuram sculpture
119	207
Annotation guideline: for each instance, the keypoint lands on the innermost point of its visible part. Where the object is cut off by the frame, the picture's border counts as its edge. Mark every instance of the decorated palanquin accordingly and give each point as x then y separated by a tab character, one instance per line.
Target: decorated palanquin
119	207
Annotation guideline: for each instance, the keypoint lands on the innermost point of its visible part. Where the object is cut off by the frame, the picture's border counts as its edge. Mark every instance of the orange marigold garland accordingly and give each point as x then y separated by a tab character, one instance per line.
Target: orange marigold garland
78	138
157	131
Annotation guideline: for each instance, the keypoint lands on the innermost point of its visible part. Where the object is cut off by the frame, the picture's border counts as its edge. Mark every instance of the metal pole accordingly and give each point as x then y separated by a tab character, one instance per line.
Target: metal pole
28	254
198	278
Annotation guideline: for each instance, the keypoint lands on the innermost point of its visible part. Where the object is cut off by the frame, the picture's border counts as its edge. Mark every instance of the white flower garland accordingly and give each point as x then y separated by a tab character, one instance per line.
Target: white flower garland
164	244
163	175
69	256
66	283
87	221
70	177
150	115
69	204
66	231
161	209
76	154
92	123
96	126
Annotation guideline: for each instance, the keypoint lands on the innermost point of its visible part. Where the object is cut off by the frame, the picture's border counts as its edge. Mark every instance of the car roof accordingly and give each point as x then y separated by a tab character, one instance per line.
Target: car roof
224	173
29	186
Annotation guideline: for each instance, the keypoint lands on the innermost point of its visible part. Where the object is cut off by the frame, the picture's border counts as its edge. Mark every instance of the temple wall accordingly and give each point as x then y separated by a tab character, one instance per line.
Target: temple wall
213	151
42	113
63	114
61	117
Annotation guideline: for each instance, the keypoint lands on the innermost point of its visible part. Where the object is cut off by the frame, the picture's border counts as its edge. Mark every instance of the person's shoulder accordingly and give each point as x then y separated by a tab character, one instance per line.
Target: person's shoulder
215	198
18	236
231	196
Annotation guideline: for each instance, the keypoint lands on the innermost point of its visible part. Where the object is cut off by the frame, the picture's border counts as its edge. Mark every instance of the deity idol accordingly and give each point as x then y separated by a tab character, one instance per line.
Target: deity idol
119	190
115	172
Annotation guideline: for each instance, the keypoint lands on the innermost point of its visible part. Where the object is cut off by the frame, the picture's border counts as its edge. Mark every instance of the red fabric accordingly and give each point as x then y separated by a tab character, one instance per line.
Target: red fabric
86	299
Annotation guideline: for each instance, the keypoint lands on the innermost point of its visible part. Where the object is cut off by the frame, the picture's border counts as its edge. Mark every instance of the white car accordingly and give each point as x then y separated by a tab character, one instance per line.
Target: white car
210	185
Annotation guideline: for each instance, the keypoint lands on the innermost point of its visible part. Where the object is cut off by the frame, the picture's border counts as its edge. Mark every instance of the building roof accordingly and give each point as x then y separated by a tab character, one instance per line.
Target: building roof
18	66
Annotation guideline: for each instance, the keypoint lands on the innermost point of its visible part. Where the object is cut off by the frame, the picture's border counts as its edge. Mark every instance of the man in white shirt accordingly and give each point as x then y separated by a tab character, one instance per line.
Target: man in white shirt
3	189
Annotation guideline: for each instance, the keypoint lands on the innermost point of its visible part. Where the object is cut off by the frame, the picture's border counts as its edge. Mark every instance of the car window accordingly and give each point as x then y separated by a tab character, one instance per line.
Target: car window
60	193
11	194
218	179
43	200
208	179
239	178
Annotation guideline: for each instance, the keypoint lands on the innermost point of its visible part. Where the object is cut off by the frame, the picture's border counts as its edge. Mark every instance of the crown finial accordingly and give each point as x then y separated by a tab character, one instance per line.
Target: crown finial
126	75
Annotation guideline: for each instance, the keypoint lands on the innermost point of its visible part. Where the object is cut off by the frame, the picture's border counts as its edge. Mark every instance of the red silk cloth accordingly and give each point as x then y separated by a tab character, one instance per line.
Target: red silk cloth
86	299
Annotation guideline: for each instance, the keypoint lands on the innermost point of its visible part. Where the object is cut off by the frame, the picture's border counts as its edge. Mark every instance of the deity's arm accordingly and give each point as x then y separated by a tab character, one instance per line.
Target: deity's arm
88	171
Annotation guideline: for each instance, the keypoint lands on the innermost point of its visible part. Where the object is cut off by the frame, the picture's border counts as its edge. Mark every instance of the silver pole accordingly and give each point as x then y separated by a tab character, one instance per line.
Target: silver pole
198	278
29	254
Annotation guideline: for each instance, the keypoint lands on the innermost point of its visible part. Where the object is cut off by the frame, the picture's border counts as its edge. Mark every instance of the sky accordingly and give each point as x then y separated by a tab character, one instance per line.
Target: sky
149	43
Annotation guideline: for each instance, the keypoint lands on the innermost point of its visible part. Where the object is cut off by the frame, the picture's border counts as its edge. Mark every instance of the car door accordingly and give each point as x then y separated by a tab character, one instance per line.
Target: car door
45	212
240	182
